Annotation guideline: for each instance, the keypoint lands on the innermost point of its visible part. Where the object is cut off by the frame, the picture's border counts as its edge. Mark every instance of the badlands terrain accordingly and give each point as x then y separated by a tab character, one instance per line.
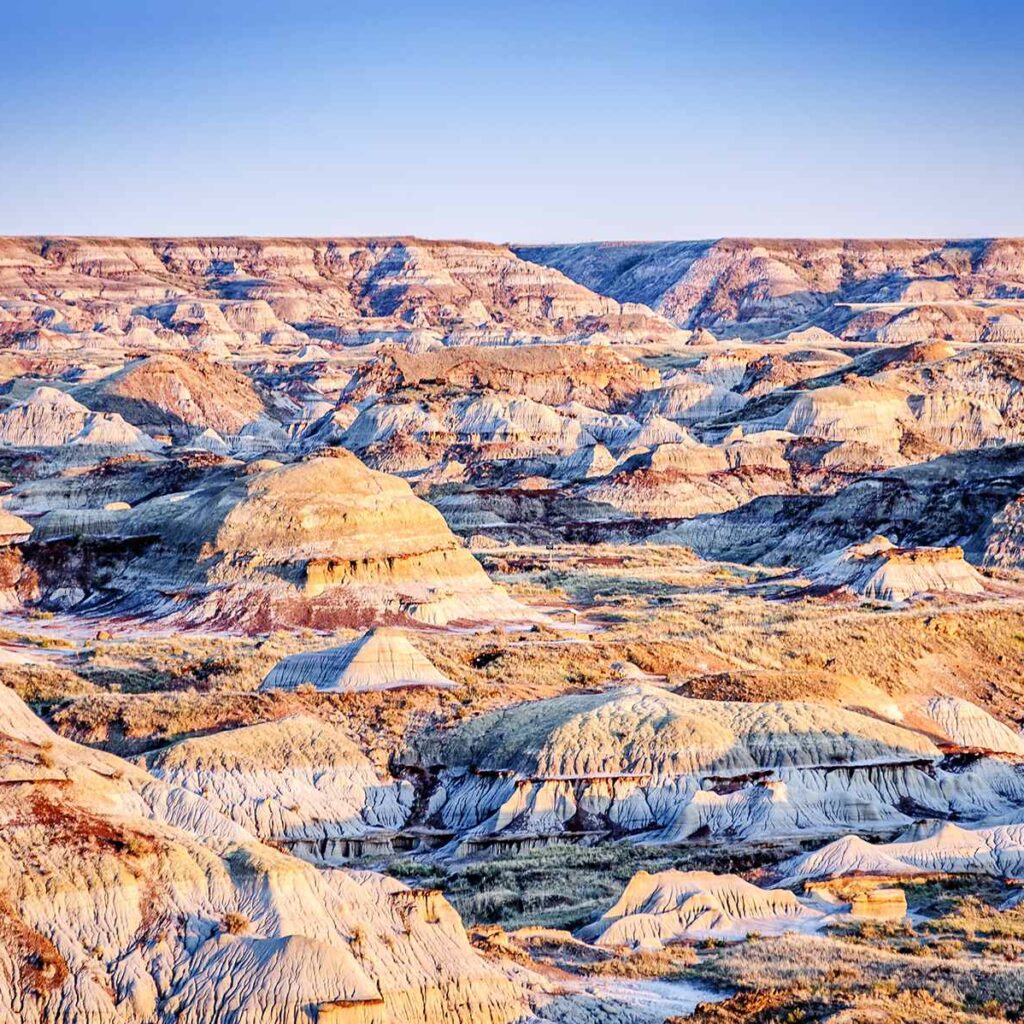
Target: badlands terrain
397	630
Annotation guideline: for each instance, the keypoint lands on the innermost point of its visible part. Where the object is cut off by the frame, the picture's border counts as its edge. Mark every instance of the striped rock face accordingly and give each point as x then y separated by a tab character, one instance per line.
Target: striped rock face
229	295
642	761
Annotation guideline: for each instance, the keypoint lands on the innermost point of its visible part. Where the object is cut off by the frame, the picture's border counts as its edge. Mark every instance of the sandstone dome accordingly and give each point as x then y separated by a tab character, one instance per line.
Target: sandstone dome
325	542
641	759
658	430
850	855
251	317
383	658
210	441
688	398
312	354
642	729
856	410
592	460
924	352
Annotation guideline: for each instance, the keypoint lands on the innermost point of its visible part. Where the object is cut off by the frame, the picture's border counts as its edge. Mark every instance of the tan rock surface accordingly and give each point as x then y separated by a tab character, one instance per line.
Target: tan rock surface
169	393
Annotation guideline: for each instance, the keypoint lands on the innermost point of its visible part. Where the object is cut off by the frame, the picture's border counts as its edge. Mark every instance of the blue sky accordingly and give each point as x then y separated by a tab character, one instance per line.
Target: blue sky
525	121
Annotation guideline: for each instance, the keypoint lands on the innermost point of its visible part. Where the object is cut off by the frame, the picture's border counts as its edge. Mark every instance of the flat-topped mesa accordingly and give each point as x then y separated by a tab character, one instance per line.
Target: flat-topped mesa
882	571
597	377
640	759
178	914
326	542
381	659
655	910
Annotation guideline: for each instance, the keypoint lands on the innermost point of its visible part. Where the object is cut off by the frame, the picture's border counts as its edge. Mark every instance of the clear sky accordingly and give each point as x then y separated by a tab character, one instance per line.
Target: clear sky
516	120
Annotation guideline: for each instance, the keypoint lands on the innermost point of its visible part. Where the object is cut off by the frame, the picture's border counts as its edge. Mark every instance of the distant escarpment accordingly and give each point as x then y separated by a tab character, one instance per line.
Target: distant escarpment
753	287
224	295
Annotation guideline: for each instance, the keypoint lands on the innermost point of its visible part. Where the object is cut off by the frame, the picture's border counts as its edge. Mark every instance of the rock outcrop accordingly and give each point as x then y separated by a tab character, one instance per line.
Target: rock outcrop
381	659
881	571
325	542
220	295
49	418
179	395
948	849
13	528
643	760
658	909
553	375
297	782
966	725
127	898
759	287
966	499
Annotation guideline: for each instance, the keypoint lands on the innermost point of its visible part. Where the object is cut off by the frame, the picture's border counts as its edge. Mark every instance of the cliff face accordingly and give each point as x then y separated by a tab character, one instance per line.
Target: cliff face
226	295
756	287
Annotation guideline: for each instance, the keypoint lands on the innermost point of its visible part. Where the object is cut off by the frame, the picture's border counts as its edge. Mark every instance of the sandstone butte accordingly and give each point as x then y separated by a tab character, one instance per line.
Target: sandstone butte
324	542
